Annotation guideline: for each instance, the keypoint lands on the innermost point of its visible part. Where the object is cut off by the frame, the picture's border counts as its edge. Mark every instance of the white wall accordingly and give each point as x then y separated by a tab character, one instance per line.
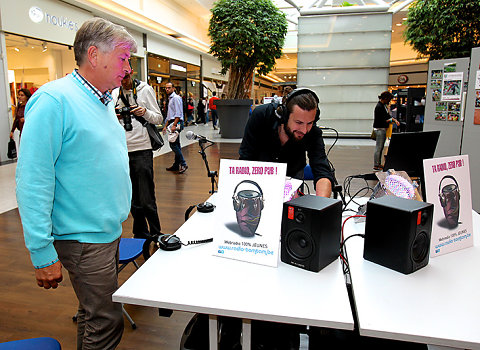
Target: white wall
345	59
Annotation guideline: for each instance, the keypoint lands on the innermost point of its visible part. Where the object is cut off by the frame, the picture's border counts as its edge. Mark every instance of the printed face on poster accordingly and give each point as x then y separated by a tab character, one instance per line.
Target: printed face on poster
249	211
447	185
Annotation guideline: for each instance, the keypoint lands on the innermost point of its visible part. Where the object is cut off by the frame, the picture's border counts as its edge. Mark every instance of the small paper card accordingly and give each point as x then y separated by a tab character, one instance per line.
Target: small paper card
249	211
447	185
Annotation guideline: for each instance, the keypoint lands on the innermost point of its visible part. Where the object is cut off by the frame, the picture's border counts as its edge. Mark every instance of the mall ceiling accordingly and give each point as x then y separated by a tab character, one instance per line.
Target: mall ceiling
286	66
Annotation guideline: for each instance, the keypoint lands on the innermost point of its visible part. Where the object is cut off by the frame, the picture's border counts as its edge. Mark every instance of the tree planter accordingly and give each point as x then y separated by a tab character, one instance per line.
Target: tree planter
232	116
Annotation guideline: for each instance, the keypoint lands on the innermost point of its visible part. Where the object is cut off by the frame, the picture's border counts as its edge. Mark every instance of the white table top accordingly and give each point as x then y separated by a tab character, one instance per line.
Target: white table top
192	279
438	304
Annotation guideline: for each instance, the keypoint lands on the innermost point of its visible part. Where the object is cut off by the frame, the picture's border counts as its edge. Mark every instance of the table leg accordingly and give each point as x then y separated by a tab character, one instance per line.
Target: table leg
213	332
246	334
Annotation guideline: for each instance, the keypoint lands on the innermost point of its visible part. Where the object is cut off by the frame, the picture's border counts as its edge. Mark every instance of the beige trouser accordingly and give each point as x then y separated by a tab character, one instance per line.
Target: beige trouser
92	268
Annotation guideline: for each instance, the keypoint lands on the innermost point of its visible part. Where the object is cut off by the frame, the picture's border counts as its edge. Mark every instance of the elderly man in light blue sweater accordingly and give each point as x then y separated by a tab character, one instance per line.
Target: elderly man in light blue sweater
73	184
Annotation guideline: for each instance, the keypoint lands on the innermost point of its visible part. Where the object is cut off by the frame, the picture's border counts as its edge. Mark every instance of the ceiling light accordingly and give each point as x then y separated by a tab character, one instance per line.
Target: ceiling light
44	46
16	49
399	24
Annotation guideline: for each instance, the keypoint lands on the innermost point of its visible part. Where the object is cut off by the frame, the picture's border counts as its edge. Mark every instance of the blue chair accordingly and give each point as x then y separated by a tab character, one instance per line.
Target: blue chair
44	343
129	250
307	173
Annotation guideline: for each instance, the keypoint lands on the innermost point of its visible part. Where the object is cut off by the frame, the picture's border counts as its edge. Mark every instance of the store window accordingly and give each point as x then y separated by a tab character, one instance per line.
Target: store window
32	62
136	64
185	77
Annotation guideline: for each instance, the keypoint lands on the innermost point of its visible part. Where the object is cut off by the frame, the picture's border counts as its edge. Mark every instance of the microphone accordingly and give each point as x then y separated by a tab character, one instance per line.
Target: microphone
192	136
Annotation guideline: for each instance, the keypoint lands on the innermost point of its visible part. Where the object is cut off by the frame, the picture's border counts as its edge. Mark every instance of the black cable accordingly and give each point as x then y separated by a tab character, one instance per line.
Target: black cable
353	197
346	239
200	241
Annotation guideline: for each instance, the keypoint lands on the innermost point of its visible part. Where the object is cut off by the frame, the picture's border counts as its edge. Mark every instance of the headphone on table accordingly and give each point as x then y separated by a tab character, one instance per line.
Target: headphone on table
239	203
282	110
441	195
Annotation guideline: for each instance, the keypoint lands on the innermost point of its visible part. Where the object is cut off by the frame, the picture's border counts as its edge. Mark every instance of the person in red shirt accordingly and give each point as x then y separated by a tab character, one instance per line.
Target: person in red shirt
213	109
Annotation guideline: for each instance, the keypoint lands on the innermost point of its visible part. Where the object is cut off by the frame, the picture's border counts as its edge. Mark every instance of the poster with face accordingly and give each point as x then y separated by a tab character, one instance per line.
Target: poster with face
249	210
447	185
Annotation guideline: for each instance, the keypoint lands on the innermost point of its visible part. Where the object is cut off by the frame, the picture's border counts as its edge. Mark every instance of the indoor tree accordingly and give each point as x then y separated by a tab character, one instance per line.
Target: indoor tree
441	29
246	35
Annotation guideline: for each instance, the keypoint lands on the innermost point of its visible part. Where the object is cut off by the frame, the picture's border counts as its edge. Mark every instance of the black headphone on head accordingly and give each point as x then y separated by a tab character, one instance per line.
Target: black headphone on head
441	196
282	110
238	204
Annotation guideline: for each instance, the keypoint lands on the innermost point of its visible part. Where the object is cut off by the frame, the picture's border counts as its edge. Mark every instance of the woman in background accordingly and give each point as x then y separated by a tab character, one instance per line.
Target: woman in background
382	119
22	97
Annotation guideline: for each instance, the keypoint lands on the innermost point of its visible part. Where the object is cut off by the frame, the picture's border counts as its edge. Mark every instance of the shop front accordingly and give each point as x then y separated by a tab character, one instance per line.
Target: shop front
36	38
184	76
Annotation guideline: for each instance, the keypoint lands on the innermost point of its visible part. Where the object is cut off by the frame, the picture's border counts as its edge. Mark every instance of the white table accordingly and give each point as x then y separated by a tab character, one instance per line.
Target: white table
438	304
192	279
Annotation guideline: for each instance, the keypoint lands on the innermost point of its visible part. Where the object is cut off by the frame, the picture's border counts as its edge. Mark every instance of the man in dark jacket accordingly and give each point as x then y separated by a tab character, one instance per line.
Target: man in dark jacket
286	134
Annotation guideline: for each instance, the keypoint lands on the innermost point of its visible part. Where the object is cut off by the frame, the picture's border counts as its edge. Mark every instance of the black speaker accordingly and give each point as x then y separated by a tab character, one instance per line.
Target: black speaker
398	232
311	231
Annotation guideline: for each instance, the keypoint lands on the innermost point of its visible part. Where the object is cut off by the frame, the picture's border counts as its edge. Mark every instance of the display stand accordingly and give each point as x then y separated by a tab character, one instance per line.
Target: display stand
409	108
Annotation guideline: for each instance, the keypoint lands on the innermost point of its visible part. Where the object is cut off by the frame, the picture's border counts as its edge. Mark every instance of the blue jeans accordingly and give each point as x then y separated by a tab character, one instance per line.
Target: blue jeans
380	143
177	149
214	117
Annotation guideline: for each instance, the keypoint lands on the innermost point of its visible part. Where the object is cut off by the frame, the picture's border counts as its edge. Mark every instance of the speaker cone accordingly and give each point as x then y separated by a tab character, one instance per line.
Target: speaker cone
420	247
299	244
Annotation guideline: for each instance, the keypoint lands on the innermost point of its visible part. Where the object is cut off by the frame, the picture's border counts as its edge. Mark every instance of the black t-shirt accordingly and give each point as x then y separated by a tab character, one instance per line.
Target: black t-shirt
261	143
381	116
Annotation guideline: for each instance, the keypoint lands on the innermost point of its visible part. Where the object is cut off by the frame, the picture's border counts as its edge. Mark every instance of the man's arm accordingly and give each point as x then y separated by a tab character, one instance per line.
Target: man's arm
35	179
323	188
148	108
322	172
178	108
50	276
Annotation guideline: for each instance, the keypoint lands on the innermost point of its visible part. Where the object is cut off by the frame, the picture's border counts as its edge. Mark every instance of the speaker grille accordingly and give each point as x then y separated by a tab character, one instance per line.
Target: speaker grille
300	244
420	247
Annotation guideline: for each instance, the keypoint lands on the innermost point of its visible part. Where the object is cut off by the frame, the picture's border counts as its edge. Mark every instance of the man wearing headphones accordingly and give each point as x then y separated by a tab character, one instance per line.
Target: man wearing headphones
285	134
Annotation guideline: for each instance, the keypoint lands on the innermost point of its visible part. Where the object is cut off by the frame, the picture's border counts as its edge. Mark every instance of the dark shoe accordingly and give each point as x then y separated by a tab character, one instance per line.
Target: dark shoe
377	167
141	235
173	168
182	169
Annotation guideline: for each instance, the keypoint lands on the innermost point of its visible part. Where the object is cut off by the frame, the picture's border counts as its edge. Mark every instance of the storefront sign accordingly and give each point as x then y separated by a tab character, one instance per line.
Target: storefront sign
178	68
43	19
36	15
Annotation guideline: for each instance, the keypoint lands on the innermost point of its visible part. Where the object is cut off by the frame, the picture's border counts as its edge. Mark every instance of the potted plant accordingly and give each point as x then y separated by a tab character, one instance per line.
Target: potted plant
441	29
246	35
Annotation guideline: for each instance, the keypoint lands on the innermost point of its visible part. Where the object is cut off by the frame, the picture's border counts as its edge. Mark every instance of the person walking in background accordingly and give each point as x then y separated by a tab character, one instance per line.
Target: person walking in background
23	95
190	109
73	183
381	121
174	122
213	108
140	97
201	110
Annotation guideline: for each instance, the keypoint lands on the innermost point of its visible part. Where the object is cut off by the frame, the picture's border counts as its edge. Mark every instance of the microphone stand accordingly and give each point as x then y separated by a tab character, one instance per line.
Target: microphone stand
210	174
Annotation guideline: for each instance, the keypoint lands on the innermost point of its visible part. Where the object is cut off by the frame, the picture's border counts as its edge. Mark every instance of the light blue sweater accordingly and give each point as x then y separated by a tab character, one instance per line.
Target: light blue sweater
72	174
